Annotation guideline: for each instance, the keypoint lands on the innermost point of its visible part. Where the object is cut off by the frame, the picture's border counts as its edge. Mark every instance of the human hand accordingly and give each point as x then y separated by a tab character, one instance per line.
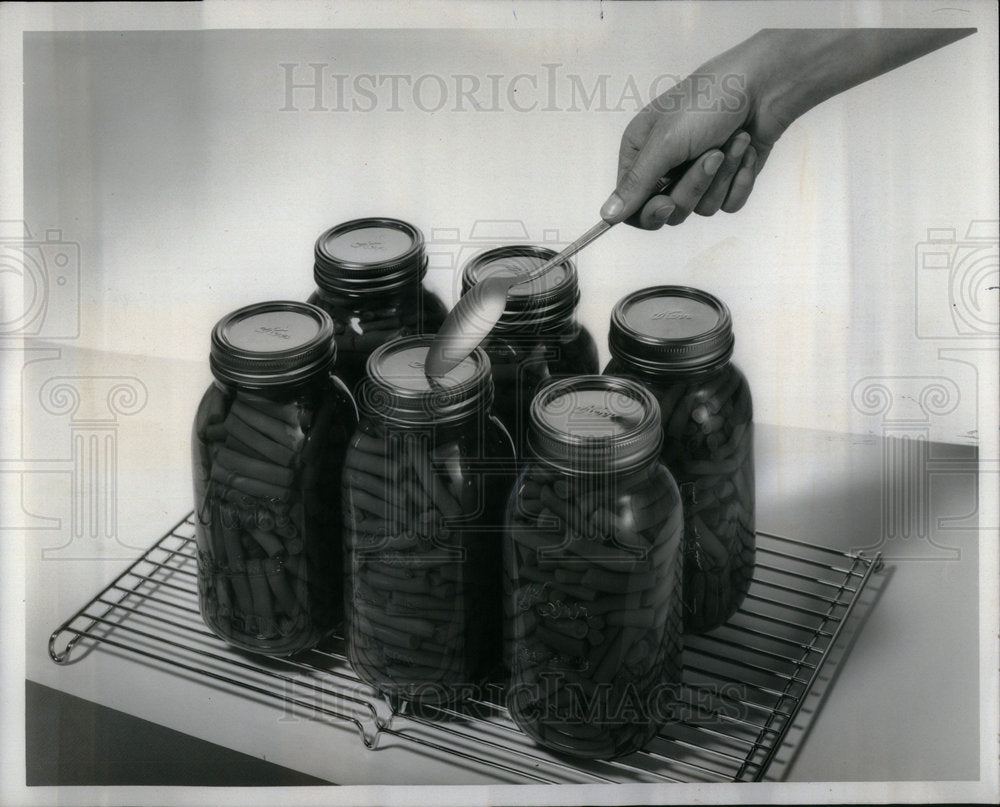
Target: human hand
719	120
726	116
720	179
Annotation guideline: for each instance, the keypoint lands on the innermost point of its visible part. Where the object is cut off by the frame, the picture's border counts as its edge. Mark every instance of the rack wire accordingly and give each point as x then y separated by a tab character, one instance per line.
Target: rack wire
743	687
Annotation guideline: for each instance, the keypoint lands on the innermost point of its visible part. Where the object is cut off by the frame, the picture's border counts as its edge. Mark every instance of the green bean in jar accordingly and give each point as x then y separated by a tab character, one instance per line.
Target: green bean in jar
427	475
678	341
592	598
268	444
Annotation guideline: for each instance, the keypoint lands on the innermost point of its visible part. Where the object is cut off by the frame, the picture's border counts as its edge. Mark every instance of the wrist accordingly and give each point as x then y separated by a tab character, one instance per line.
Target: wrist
785	80
770	98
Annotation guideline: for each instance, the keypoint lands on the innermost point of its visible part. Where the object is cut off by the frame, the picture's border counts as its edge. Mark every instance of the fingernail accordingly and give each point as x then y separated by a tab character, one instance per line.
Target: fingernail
613	207
713	162
662	213
740	144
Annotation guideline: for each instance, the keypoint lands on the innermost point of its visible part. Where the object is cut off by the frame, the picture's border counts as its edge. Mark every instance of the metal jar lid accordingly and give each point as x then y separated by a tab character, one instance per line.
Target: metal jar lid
671	329
370	255
397	389
544	302
272	344
594	425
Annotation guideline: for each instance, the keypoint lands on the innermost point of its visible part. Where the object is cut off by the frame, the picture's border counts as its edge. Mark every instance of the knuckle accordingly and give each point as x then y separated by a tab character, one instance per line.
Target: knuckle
631	181
730	166
699	185
730	160
733	205
679	216
641	224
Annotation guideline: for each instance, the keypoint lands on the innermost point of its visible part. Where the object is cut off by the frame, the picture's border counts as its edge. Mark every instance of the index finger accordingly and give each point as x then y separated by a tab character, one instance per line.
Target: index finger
638	180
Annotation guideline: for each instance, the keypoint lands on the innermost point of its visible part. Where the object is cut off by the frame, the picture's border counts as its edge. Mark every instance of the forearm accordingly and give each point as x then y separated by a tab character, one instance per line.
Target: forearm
800	68
780	75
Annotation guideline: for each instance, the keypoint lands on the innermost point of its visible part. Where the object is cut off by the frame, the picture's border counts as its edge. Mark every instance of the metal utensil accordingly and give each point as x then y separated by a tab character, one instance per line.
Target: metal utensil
480	308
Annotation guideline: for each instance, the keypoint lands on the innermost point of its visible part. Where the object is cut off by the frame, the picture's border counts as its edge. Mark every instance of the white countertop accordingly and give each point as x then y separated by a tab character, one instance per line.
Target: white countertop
904	706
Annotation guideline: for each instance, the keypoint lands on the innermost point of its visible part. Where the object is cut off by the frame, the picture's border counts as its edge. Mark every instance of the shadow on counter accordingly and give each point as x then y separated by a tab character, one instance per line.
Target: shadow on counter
71	741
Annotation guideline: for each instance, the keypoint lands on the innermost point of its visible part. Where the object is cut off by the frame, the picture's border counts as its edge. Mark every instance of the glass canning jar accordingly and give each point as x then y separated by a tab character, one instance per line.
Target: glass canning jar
369	276
592	572
537	337
268	444
426	478
678	341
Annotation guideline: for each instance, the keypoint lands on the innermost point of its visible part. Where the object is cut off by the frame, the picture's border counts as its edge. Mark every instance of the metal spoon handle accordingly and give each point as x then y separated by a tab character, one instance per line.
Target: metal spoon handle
593	233
598	229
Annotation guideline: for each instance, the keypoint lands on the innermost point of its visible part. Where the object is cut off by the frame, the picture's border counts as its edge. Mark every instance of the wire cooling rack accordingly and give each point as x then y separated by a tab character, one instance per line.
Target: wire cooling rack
744	684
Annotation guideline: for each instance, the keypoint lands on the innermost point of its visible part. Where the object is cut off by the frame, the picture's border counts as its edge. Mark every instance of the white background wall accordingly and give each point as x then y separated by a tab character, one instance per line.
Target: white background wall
166	155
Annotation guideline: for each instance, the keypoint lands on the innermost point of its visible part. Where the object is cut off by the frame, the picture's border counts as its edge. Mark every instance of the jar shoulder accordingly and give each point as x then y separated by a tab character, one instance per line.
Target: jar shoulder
293	405
419	300
645	483
433	306
571	349
478	438
727	379
579	350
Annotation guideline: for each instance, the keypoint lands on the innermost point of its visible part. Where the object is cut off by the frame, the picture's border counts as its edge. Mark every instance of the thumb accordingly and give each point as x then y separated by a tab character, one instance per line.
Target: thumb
639	181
